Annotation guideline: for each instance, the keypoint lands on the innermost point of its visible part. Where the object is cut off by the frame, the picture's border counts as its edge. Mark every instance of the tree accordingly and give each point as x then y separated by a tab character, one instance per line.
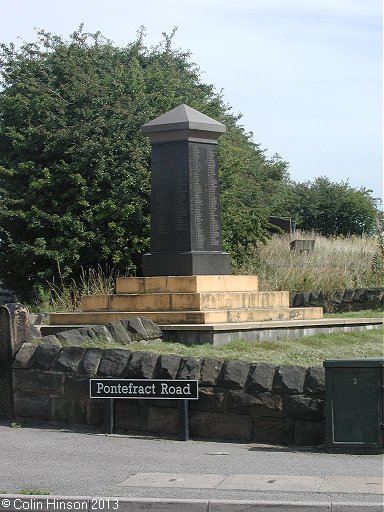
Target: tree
75	169
248	185
329	208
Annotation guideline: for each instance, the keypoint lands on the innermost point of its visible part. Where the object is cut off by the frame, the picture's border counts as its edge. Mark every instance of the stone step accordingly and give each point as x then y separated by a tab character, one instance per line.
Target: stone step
186	284
202	301
188	317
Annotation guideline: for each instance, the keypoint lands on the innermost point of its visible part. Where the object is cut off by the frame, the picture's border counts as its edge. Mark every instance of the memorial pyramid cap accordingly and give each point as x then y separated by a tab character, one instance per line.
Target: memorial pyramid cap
184	118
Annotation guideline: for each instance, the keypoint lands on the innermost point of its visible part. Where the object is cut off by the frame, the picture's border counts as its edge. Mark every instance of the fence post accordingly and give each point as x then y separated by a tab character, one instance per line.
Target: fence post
14	331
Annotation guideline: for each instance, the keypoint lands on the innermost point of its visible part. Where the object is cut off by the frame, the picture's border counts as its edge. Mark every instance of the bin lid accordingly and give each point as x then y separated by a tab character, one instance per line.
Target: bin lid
355	363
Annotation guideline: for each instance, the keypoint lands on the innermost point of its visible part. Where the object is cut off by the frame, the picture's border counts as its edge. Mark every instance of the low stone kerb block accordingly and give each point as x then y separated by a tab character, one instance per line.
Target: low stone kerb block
141	365
315	381
113	363
210	371
118	332
24	355
189	368
167	366
44	356
289	379
69	359
90	362
261	377
234	374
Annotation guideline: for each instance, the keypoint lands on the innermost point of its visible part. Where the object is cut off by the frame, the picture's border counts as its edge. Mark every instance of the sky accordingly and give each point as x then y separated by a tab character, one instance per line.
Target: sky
306	75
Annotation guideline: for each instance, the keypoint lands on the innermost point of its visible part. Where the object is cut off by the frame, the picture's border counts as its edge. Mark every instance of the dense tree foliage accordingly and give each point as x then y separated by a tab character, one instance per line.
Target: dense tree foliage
328	208
74	168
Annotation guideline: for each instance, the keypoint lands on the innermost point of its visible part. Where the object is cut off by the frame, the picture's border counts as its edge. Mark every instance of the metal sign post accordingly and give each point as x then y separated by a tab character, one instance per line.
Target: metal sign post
109	405
183	420
111	389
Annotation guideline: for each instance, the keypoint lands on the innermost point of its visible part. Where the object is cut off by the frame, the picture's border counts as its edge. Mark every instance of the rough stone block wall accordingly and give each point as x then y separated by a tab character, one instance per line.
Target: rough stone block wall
238	401
352	299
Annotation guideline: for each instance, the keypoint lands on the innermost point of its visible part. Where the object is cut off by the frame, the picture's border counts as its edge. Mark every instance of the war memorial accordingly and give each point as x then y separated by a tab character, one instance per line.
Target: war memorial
187	286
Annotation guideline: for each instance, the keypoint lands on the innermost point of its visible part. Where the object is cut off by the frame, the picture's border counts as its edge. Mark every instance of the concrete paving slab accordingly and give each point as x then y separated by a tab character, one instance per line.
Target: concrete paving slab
330	484
358	507
353	484
171	480
160	505
272	483
257	506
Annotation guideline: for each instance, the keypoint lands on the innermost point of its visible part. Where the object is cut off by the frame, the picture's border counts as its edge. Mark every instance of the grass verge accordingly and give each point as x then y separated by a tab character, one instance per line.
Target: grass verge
364	313
306	351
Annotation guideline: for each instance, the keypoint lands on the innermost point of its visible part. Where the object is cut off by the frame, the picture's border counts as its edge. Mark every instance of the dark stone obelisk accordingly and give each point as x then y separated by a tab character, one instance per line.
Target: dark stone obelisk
185	204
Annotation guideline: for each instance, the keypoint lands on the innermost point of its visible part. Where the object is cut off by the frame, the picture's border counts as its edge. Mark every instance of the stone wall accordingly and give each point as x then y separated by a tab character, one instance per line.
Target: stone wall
352	299
238	401
14	331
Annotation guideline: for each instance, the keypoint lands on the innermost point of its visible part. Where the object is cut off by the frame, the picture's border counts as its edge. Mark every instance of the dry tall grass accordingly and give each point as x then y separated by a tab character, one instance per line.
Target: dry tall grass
67	296
340	262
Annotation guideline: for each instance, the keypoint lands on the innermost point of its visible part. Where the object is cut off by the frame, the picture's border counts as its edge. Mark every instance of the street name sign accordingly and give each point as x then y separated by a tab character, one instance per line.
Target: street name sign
144	389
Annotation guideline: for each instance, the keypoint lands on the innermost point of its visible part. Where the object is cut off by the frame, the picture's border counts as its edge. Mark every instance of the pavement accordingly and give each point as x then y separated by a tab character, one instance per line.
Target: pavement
53	468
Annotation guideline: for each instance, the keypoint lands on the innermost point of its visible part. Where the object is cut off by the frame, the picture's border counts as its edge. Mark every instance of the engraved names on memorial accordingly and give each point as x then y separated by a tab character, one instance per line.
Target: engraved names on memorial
205	208
185	208
170	221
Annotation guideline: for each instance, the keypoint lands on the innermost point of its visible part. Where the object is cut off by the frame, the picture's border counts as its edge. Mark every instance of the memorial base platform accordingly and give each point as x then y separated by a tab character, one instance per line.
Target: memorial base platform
199	299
